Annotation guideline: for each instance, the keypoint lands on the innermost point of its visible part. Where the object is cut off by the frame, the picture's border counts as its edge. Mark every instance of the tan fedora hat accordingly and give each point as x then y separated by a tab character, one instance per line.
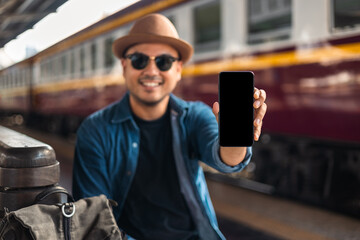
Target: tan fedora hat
153	28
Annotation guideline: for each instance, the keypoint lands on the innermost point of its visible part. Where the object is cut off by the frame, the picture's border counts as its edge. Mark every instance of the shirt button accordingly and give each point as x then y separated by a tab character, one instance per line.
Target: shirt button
134	145
128	173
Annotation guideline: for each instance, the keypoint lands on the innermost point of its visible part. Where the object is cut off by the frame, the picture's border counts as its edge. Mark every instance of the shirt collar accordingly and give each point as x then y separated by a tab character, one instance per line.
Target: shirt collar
122	111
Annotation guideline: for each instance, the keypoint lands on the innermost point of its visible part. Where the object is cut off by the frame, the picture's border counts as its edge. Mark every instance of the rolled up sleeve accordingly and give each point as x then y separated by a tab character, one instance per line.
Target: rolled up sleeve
223	167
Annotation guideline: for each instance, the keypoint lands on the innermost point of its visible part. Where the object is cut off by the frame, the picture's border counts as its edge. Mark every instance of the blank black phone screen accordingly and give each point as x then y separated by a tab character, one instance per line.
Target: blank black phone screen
236	114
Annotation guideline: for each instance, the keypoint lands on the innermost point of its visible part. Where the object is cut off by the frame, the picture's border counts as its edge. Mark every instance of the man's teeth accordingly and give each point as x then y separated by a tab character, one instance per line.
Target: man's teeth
151	84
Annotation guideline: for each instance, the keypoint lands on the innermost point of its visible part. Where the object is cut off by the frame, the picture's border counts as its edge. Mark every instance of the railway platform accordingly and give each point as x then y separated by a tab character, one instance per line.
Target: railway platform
242	213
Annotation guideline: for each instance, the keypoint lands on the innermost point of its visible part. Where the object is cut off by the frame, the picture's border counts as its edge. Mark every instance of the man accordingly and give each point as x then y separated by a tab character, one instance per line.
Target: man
143	151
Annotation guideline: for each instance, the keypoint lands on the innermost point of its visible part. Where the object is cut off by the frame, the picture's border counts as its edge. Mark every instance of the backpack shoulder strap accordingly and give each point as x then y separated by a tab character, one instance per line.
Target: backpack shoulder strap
50	191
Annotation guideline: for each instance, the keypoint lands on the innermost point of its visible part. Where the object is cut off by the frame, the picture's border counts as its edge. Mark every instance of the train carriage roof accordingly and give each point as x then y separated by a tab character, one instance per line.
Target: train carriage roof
17	16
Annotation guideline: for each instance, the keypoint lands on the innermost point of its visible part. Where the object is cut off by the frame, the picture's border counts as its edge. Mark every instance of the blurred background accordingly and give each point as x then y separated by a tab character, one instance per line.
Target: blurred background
57	67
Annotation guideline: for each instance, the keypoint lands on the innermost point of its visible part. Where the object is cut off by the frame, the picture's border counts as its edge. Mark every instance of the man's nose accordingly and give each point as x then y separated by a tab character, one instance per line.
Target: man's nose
151	68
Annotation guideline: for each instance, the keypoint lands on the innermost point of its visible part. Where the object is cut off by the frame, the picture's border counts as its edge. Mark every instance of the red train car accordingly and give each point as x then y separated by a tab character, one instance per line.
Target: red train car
15	92
304	53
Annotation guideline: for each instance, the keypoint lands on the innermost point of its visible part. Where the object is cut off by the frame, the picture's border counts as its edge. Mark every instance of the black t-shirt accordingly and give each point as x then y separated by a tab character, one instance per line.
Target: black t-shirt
155	207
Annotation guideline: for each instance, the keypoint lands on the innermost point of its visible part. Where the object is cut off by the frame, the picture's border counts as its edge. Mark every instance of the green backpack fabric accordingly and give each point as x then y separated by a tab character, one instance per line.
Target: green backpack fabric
88	218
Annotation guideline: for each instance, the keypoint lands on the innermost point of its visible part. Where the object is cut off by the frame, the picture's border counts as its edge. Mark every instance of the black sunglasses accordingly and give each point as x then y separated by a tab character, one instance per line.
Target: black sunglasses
140	61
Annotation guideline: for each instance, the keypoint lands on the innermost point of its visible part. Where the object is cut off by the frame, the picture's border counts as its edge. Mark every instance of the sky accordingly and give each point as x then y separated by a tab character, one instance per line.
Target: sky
70	18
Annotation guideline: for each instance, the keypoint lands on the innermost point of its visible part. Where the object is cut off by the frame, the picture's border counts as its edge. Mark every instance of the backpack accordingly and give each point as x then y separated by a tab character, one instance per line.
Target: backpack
88	218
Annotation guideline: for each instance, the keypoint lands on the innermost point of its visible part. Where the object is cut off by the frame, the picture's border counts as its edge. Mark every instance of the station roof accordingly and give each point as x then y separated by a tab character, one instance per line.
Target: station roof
17	16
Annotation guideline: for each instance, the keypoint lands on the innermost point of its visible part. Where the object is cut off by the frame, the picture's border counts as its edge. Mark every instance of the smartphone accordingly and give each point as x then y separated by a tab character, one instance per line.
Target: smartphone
236	113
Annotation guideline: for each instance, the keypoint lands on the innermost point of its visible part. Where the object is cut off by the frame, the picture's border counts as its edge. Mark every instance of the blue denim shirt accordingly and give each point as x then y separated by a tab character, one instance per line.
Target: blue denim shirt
107	151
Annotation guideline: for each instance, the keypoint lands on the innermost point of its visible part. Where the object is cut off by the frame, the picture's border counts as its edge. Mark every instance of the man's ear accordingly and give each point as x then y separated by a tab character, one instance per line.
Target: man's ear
123	62
179	70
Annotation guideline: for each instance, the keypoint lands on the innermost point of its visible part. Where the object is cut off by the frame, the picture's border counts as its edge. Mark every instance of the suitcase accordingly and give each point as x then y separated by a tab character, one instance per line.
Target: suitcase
27	168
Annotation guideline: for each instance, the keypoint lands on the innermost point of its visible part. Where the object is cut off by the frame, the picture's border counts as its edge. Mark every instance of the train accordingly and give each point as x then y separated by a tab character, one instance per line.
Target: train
304	53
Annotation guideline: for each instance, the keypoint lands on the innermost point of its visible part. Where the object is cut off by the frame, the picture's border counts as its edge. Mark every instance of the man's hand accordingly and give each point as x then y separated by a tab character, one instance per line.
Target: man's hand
234	155
260	110
259	113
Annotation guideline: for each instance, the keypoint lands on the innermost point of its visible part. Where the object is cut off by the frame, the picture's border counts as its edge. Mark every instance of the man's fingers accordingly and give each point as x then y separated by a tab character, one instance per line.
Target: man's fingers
259	93
260	97
260	112
263	94
258	121
257	132
215	110
256	93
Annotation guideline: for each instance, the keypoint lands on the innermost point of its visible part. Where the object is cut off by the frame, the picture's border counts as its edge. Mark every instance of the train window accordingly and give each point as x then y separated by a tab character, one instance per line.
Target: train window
13	79
41	70
72	62
8	79
55	65
82	61
12	82
63	64
16	79
268	20
47	70
109	58
4	81
51	69
26	76
93	56
23	79
346	14
44	71
207	26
